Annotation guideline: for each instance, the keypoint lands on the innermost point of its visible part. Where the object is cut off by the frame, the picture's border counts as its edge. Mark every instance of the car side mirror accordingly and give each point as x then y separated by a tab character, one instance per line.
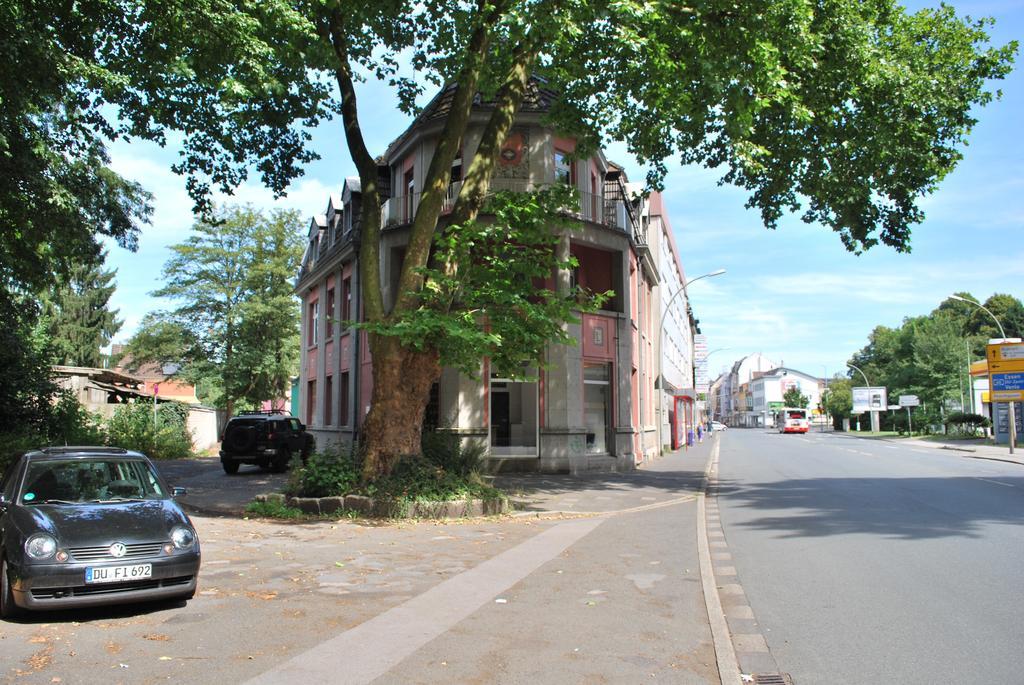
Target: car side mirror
178	492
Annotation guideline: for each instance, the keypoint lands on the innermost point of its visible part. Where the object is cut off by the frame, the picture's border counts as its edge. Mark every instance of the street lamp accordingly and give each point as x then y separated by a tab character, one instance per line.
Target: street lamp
1013	417
874	415
661	351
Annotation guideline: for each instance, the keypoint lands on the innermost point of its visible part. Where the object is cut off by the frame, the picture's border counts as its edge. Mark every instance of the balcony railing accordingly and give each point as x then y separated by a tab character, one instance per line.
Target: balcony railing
593	208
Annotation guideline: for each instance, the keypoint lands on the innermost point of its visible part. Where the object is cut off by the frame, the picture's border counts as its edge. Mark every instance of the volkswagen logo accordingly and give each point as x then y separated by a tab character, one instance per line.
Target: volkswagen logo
118	550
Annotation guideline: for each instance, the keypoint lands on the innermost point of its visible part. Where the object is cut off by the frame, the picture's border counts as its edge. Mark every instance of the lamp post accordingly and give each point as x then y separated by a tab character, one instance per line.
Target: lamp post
1013	417
661	351
875	427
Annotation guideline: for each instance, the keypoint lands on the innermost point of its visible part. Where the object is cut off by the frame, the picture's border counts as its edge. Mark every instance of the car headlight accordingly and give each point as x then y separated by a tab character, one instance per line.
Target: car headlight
40	546
183	538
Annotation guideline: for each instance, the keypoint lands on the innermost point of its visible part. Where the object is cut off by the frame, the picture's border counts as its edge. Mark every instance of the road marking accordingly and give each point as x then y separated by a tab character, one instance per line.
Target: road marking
989	480
374	647
890	447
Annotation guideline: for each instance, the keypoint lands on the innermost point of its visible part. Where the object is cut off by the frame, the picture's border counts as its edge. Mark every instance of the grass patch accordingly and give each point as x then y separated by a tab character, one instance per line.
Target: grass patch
274	510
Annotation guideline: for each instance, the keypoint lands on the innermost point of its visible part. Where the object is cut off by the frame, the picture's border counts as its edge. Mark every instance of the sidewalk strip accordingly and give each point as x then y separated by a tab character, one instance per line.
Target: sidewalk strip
369	650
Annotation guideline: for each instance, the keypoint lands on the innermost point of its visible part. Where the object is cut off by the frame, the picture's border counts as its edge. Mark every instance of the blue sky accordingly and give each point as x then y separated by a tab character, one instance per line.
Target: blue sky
794	294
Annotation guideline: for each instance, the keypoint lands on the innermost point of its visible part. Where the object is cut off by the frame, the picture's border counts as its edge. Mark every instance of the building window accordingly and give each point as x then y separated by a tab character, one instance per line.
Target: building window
328	400
597	408
330	311
565	171
310	402
313	323
346	299
410	189
457	169
343	415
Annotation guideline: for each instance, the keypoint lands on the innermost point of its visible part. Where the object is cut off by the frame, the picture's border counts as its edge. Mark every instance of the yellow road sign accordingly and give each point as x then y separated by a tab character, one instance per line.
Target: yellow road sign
1005	352
1015	366
1007	395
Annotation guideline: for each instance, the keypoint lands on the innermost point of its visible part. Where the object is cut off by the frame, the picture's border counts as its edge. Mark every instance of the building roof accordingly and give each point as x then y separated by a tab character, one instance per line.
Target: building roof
538	98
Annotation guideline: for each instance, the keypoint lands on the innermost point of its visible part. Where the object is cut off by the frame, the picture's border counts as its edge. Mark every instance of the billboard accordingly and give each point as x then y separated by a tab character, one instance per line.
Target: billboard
869	399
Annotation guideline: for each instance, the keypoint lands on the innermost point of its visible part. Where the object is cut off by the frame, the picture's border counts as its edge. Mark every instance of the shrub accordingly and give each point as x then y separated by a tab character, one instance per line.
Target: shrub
417	479
73	424
325	474
446	451
132	427
964	423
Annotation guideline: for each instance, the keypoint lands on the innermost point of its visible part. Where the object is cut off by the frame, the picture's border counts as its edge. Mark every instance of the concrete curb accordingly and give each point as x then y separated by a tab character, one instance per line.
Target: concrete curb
725	654
370	507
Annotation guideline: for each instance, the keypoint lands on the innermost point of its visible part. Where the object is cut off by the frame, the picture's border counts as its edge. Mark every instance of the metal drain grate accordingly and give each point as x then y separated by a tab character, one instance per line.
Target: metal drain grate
772	679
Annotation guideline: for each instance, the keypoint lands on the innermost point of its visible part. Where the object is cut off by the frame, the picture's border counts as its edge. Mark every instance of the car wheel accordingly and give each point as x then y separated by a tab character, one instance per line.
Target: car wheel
8	609
230	467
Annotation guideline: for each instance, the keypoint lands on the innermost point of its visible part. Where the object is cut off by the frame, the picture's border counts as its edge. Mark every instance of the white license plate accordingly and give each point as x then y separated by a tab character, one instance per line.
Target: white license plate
117	574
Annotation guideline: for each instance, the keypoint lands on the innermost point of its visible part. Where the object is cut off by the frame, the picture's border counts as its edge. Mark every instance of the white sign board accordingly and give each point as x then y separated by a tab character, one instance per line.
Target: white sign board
700	367
869	399
909	401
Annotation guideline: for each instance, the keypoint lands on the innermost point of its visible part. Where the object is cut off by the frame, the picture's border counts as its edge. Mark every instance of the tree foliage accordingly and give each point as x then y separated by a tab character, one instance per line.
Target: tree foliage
76	315
235	329
847	111
794	398
928	355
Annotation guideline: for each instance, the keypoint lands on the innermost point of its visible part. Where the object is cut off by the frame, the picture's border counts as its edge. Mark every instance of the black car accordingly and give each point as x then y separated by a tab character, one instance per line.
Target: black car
88	526
269	439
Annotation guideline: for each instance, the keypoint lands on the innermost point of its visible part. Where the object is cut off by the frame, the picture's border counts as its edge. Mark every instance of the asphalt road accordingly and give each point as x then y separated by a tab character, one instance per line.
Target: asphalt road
870	562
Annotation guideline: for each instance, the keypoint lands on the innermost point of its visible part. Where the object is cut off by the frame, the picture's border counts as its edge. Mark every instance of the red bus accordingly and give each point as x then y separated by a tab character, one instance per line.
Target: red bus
792	420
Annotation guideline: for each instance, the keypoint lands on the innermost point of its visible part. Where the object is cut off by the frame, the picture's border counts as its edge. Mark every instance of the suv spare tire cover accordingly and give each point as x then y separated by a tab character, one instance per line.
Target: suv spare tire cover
241	438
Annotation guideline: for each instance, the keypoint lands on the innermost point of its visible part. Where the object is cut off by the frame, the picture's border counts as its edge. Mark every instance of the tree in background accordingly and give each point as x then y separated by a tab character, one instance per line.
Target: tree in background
849	113
236	329
794	398
927	355
838	400
76	315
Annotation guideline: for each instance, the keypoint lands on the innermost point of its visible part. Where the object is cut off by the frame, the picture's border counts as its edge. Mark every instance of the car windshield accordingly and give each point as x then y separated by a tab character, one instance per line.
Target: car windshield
89	480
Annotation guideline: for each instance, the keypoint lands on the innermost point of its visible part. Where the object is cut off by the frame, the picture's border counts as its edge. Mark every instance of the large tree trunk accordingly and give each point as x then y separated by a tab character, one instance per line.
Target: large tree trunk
401	391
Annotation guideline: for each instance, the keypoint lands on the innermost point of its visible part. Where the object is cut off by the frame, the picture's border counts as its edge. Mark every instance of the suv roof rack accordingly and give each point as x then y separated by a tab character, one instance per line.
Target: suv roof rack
91	449
265	412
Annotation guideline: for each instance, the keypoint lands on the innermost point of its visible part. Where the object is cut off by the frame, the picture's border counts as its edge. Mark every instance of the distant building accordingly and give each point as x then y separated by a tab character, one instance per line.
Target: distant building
768	388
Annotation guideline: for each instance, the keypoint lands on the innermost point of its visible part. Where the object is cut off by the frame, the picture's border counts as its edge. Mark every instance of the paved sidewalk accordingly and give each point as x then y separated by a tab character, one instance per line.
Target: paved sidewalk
663	480
670	478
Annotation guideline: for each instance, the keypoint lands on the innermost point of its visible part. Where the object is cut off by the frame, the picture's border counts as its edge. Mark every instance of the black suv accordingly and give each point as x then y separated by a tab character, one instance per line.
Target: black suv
267	439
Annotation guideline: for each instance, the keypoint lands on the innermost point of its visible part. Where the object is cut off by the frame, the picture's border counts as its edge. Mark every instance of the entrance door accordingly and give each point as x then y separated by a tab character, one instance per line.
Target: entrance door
515	416
501	432
597	408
